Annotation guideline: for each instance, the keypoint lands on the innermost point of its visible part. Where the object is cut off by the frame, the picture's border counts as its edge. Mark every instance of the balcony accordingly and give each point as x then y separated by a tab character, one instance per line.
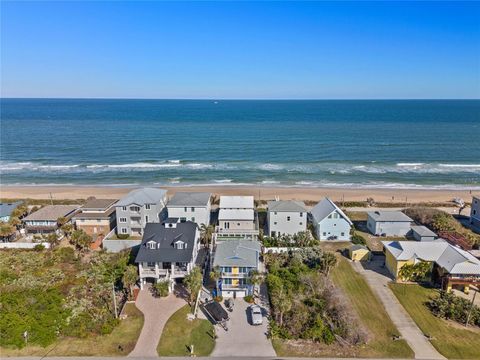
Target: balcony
234	275
236	232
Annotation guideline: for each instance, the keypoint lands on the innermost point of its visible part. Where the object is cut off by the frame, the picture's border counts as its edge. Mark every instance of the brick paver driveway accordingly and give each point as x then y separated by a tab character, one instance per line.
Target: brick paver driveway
156	312
243	339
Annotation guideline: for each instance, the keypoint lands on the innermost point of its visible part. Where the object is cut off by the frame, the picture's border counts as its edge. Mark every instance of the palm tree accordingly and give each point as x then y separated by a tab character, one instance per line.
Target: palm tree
254	279
6	230
193	283
206	234
215	275
130	277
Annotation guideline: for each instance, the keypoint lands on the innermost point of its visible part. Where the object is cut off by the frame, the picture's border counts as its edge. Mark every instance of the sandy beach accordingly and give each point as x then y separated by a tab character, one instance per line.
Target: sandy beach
409	196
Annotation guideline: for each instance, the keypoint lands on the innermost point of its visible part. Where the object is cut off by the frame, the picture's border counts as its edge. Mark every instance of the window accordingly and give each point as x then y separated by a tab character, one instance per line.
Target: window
335	216
123	219
330	216
324	234
123	230
147	206
193	219
146	218
275	223
227	281
342	234
179	245
288	218
301	214
183	219
474	212
150	264
151	245
185	209
227	269
193	209
300	223
275	213
135	208
124	208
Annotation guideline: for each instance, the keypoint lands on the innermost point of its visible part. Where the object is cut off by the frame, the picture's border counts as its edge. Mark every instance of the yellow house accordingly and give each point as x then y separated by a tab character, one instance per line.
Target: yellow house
359	253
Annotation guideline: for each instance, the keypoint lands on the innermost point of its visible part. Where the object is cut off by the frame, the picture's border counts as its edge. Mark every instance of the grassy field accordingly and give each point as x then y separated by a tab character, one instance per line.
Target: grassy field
119	343
450	339
179	333
370	312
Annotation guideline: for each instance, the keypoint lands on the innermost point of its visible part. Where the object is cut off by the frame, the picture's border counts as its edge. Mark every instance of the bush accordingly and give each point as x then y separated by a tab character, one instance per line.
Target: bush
248	299
451	307
39	247
123	236
358	239
161	288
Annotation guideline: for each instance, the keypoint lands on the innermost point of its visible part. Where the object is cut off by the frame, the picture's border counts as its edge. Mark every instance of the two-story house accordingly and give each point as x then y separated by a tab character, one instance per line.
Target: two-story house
330	222
236	259
286	217
45	220
475	211
96	217
236	217
191	206
168	251
138	208
388	223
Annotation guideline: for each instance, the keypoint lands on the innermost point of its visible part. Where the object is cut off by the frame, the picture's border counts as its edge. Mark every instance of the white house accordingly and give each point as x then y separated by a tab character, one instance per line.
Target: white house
286	217
422	233
190	206
139	207
330	222
168	252
388	223
236	216
475	211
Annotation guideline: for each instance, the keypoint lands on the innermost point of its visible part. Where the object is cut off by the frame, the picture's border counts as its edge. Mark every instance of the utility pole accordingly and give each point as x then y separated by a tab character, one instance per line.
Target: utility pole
471	308
51	199
114	300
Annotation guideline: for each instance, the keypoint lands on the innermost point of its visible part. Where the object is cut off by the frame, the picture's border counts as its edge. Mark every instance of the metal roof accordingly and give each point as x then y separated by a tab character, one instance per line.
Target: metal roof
390	216
52	212
236	214
236	202
243	253
142	196
325	208
190	199
449	257
286	206
7	208
423	230
165	237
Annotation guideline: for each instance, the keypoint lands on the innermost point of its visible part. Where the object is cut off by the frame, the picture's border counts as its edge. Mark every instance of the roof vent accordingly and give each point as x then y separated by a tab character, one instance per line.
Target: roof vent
377	212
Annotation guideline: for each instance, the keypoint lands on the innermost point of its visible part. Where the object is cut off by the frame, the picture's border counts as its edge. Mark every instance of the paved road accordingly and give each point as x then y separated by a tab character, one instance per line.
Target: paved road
156	312
378	279
243	339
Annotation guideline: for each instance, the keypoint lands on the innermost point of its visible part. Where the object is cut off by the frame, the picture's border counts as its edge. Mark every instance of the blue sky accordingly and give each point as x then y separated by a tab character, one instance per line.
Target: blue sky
279	50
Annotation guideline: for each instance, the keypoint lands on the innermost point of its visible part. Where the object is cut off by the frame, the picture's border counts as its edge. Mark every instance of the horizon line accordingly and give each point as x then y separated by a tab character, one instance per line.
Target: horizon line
233	99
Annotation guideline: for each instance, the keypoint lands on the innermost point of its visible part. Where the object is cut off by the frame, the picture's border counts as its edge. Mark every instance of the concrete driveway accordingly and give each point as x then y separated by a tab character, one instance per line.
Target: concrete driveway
243	339
378	278
156	312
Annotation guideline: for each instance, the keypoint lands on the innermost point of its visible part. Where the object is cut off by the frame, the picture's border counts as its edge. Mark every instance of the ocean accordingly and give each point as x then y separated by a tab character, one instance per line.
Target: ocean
330	143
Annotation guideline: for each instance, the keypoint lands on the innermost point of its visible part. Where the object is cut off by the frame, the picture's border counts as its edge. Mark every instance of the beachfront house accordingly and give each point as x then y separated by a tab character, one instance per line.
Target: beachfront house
422	233
450	265
286	218
138	208
96	217
475	211
236	259
388	223
191	206
6	210
45	220
168	251
330	222
236	217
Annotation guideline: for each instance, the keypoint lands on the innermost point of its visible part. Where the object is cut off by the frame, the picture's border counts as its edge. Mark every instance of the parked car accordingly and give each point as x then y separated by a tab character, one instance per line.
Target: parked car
256	313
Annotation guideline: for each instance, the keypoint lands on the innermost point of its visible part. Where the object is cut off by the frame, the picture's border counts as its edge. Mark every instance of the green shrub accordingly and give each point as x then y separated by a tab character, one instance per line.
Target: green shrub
123	236
248	299
161	288
39	247
358	239
451	307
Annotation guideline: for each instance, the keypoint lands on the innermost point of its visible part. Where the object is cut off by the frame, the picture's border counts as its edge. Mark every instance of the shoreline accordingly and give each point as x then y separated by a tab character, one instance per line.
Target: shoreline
394	195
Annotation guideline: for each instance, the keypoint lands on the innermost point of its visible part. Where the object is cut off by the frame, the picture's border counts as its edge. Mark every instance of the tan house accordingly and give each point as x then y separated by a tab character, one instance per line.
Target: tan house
45	220
97	217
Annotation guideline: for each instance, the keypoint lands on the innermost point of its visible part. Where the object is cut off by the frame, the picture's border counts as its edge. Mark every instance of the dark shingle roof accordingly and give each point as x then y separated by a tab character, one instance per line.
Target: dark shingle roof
165	238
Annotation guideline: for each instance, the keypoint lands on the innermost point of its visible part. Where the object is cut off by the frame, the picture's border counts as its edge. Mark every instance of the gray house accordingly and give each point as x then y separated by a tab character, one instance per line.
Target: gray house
236	260
388	223
422	233
168	251
191	206
286	217
330	222
139	207
475	211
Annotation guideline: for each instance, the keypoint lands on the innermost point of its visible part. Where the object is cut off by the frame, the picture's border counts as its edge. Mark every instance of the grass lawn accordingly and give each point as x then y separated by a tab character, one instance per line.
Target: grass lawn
119	343
452	340
370	312
179	333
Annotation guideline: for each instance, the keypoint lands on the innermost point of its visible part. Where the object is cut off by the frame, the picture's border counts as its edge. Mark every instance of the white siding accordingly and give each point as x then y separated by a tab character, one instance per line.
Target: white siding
199	215
334	228
278	222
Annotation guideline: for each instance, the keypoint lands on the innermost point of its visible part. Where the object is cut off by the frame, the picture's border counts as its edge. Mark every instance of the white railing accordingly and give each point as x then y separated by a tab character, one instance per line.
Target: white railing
239	232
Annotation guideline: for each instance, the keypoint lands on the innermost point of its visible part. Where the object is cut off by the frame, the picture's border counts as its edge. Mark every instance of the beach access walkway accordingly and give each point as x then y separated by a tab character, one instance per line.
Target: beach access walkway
378	279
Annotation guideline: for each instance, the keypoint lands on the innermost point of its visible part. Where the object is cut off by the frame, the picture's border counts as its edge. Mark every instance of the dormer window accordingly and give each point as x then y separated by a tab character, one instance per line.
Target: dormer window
151	245
180	245
147	206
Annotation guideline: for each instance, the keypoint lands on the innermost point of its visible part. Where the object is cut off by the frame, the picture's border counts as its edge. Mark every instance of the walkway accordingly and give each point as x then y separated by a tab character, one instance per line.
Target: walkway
156	312
378	279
